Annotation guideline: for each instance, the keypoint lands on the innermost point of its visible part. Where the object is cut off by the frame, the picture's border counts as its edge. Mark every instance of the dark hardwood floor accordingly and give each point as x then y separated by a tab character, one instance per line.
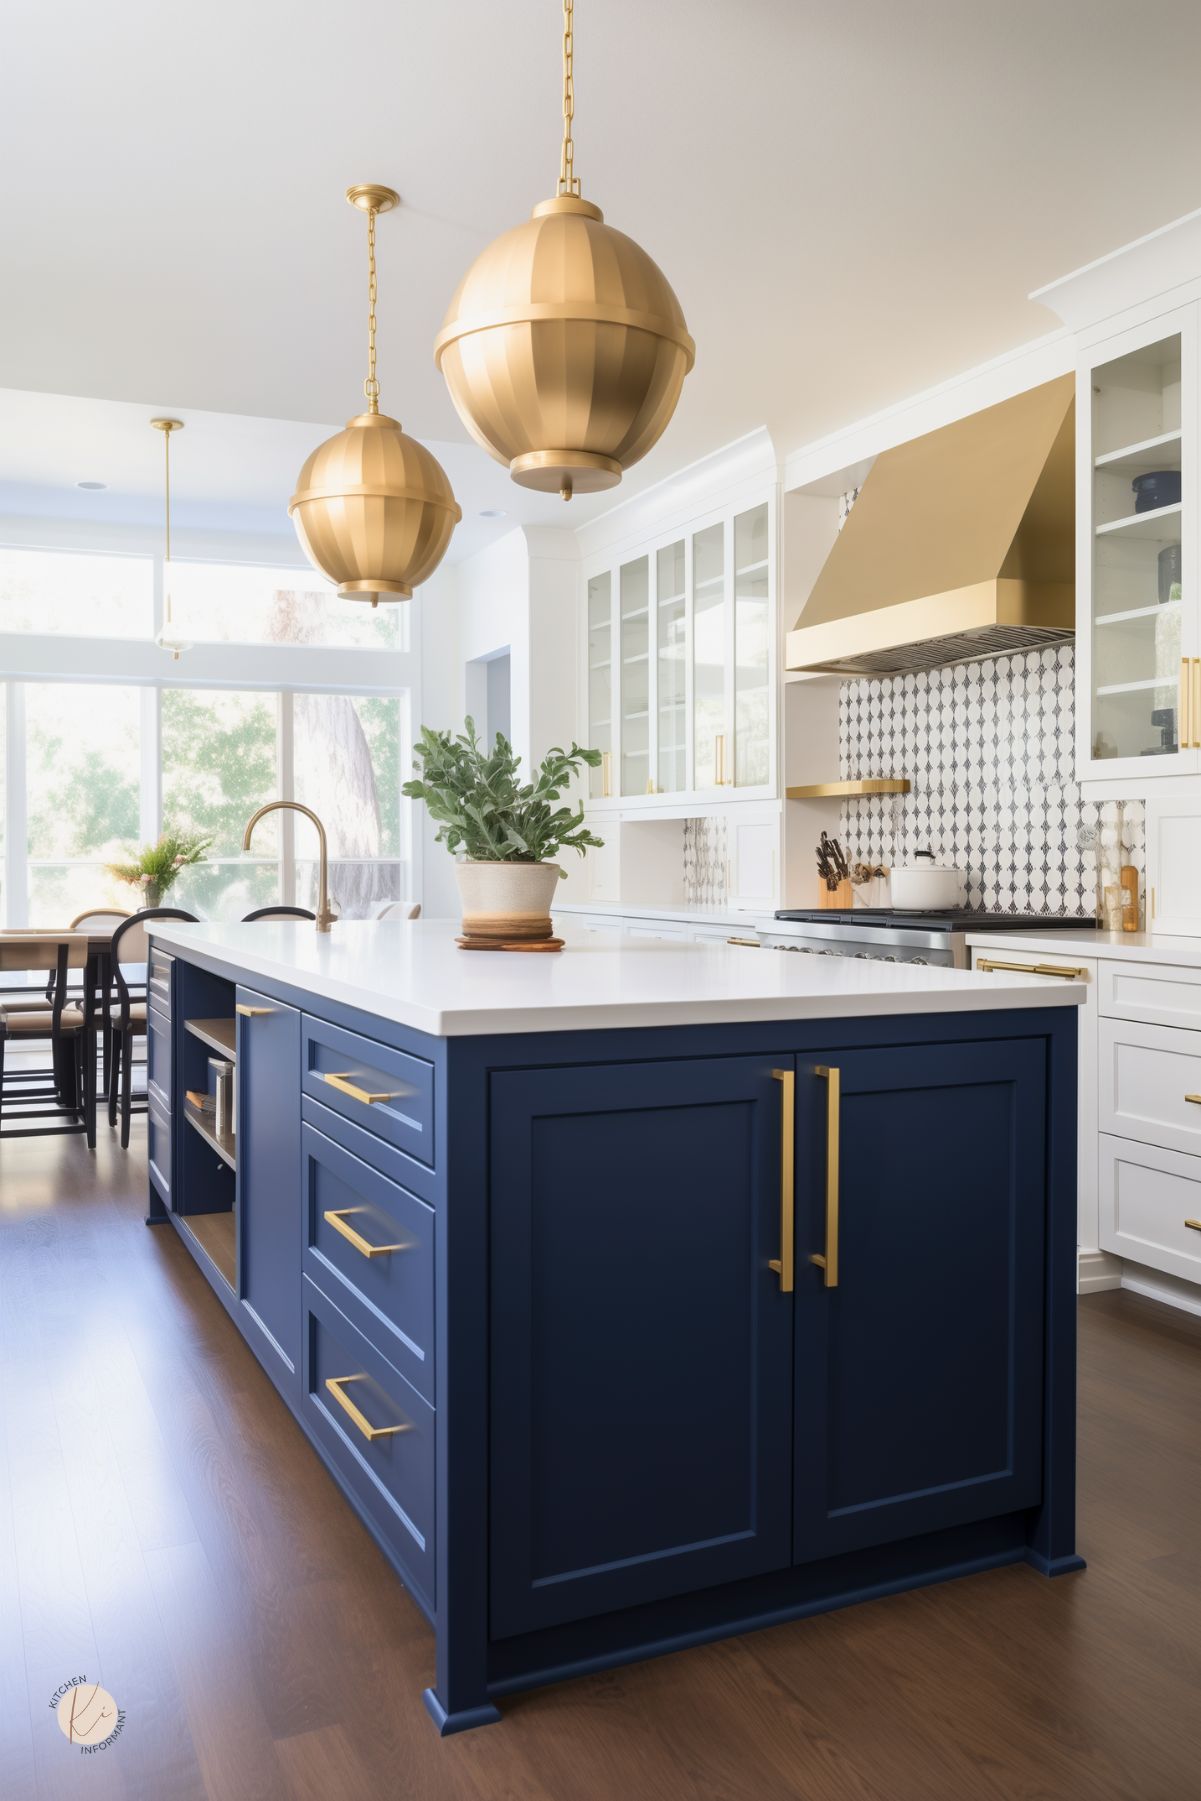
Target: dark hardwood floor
165	1530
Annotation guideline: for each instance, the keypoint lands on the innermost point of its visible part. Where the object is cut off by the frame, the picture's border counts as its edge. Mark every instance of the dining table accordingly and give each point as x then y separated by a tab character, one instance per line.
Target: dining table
97	976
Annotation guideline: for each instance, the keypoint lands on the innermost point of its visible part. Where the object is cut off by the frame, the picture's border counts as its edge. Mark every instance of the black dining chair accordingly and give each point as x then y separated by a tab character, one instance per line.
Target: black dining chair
65	1102
277	913
127	1013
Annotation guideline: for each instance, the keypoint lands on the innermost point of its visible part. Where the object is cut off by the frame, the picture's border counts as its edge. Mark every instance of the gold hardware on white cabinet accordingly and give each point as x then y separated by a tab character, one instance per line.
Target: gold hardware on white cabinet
1194	1098
1067	973
785	1263
827	1261
1194	1225
340	1080
719	759
251	1012
751	944
337	1218
606	774
336	1386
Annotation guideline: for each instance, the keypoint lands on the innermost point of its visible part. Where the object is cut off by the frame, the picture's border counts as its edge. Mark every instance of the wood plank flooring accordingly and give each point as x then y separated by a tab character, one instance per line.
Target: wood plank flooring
165	1530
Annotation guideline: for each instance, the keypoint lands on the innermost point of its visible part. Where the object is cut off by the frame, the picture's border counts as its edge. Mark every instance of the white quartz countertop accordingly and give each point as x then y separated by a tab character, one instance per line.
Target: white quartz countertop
412	973
685	914
1144	947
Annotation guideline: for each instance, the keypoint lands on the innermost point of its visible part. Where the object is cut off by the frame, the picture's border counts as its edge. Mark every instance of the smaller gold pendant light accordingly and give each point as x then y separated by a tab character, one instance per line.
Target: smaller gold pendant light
373	510
565	349
167	639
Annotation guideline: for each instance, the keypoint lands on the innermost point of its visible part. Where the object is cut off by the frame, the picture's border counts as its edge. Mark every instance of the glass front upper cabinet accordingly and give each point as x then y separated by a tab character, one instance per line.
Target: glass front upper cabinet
634	688
710	661
671	670
1138	648
600	683
752	649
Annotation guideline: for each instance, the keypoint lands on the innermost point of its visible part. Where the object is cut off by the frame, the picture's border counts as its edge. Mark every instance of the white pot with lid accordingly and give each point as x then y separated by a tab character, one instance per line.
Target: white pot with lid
924	885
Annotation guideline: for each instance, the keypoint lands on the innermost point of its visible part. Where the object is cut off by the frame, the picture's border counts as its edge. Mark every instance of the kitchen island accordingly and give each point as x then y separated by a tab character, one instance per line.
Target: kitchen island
644	1294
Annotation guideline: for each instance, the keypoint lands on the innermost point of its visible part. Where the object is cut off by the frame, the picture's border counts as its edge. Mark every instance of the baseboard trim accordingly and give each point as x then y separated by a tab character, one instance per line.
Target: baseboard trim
1097	1270
1169	1290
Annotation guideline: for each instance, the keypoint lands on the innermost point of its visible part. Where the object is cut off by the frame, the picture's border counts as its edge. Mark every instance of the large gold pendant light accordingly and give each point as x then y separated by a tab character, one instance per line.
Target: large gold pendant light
565	349
373	509
168	638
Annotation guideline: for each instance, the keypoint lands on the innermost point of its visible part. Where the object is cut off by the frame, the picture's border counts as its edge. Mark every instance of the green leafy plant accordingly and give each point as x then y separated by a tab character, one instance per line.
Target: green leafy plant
485	811
154	868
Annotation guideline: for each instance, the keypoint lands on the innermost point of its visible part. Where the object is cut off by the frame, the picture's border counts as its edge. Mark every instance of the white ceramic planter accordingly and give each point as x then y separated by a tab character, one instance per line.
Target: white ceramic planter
507	900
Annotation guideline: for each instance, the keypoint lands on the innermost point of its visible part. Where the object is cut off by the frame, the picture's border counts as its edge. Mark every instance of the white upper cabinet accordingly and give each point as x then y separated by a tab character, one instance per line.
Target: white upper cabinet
1138	635
681	655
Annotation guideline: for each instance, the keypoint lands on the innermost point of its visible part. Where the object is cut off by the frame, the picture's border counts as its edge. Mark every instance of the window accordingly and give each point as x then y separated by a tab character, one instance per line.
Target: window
220	761
237	603
348	753
83	778
81	594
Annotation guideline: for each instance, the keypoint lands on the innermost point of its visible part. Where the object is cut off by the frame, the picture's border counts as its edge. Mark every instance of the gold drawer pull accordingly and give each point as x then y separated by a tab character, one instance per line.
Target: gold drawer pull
251	1012
342	1082
1068	972
785	1263
1193	1224
1194	1098
336	1385
828	1262
752	944
337	1217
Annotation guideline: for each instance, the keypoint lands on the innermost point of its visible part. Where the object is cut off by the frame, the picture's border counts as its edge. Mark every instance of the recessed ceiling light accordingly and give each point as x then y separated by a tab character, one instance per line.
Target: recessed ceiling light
493	513
91	486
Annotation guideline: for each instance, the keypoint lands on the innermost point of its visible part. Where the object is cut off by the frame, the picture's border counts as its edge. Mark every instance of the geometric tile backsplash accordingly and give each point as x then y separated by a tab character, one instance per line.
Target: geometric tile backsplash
990	750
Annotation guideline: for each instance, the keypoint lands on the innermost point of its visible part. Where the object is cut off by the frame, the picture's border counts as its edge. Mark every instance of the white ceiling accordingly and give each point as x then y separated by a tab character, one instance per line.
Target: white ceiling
852	200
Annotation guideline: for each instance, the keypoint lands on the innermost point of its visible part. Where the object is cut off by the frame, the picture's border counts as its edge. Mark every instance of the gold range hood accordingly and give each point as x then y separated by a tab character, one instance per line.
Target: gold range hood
960	545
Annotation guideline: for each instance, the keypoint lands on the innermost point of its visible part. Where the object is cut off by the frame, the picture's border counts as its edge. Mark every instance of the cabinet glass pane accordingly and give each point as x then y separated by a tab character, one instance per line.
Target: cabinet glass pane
671	642
709	657
752	663
635	677
1139	584
600	680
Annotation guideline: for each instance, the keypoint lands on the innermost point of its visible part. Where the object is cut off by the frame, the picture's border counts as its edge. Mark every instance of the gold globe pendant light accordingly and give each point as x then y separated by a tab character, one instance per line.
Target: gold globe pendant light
564	348
373	510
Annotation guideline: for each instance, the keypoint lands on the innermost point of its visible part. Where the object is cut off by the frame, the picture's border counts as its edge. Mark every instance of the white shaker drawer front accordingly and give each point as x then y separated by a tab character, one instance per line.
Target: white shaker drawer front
1151	1206
1151	1084
1160	994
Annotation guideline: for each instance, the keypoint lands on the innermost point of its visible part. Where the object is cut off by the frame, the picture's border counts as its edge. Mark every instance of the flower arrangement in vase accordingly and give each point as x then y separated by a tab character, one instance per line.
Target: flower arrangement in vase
154	868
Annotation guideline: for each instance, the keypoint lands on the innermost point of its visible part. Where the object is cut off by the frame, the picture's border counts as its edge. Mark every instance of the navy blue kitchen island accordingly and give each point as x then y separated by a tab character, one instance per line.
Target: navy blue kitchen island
643	1295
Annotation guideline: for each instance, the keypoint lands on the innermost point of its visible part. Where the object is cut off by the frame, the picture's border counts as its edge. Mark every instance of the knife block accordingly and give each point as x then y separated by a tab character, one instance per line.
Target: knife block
834	897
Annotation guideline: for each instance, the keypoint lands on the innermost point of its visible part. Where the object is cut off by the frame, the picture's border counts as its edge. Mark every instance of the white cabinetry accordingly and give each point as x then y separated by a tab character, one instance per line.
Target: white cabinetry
1174	864
680	665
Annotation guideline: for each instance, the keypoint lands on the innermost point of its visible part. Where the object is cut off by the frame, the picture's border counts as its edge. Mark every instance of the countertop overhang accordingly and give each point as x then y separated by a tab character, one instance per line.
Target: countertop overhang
413	974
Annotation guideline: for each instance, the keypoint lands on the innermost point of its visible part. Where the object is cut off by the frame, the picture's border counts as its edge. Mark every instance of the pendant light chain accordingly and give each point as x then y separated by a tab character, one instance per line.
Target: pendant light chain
371	385
569	181
167	495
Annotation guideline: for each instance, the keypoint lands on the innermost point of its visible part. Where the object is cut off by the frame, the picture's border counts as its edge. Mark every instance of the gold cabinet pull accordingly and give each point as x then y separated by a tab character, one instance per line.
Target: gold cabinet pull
827	1262
751	944
337	1217
1194	1098
606	773
340	1079
337	1386
1194	1225
251	1012
1067	973
1185	732
785	1263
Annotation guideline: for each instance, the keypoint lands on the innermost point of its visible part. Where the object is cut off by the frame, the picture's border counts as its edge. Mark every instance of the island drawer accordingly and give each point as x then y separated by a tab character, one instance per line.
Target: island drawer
376	1431
1151	1206
158	1145
158	979
384	1091
1151	1084
1158	994
369	1244
158	1056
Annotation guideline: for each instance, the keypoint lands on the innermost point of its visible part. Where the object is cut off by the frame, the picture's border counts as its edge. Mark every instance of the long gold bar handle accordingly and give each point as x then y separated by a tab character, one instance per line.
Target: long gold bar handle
785	1264
606	774
336	1385
719	759
1185	732
340	1080
1195	709
251	1012
1194	1098
1194	1225
337	1217
1067	972
827	1262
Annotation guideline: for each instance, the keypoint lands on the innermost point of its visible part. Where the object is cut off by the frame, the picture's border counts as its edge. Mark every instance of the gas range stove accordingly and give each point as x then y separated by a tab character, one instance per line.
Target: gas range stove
894	936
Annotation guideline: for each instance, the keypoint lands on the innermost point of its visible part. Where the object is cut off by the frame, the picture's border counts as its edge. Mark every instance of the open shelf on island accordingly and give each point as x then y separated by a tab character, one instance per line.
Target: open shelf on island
224	1144
219	1034
1156	522
217	1236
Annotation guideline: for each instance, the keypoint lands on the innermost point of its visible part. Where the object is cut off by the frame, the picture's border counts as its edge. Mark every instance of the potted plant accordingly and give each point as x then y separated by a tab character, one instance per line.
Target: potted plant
154	868
505	831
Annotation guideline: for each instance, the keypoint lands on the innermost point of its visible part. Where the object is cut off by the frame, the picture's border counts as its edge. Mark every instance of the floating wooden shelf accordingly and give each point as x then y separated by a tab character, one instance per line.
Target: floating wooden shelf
219	1034
225	1145
871	784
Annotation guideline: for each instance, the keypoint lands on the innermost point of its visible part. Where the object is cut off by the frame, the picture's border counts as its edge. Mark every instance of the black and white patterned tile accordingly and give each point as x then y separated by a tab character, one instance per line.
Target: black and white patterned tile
706	850
990	750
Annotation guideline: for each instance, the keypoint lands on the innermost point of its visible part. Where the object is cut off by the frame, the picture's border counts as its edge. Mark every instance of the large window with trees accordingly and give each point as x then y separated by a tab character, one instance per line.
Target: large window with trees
105	740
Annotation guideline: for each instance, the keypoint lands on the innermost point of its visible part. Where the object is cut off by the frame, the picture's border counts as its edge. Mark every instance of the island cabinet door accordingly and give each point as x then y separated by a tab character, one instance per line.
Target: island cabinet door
919	1344
269	1183
641	1344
